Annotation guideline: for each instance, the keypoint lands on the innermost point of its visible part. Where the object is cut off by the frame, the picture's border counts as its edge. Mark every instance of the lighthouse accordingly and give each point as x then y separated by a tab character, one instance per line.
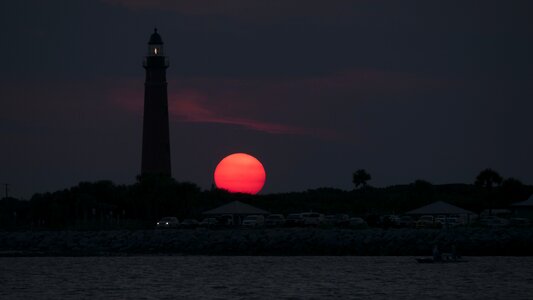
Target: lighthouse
156	141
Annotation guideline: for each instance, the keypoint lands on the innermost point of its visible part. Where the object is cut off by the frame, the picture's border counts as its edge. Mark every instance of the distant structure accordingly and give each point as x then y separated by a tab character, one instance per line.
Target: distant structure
441	208
237	210
156	141
524	209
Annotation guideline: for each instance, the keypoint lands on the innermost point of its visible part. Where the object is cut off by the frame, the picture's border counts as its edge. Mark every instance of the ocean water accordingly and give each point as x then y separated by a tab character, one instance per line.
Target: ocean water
260	277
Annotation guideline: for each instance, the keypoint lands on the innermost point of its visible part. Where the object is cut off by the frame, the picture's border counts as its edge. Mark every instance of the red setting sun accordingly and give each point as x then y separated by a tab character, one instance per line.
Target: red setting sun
240	173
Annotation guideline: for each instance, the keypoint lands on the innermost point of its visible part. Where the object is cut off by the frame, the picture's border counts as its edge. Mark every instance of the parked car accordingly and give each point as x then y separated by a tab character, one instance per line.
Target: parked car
451	222
493	221
225	220
294	220
312	218
208	222
168	222
460	219
337	220
519	222
357	222
440	220
189	223
389	221
253	221
406	221
275	220
425	221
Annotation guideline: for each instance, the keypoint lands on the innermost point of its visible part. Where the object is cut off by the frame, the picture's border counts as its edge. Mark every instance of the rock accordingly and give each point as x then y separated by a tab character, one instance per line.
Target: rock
277	241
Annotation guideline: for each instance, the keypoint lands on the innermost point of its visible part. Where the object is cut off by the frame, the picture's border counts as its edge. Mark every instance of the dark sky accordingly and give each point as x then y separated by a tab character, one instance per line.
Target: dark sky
434	90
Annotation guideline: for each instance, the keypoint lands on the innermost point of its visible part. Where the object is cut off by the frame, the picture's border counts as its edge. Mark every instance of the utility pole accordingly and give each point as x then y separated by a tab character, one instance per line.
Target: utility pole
6	188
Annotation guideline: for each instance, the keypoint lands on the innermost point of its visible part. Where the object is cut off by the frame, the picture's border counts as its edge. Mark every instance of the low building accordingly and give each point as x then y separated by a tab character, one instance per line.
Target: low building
237	210
441	208
524	209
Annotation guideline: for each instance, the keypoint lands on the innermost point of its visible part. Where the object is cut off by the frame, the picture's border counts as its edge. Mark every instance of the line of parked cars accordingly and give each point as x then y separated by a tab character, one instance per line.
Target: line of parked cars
314	219
168	222
448	221
306	219
173	222
425	221
495	221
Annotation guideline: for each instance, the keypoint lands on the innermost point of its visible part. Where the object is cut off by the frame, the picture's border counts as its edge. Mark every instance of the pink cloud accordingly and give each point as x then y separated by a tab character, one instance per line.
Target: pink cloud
127	95
189	106
291	106
192	106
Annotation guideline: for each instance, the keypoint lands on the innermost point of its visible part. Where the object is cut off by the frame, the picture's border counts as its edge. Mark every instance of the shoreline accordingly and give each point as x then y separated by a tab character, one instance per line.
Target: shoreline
268	242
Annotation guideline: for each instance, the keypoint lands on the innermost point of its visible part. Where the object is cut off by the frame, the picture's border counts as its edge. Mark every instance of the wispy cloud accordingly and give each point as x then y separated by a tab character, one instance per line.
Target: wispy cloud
193	106
286	106
189	106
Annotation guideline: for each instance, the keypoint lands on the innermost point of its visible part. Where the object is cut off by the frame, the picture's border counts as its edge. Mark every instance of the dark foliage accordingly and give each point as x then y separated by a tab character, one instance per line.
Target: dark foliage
360	178
488	178
102	204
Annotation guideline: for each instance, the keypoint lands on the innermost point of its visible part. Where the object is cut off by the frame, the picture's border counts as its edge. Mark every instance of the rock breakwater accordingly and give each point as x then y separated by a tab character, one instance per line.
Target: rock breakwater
277	241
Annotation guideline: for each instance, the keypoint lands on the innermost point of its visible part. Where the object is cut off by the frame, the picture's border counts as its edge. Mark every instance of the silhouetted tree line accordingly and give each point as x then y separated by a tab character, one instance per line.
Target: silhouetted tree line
104	205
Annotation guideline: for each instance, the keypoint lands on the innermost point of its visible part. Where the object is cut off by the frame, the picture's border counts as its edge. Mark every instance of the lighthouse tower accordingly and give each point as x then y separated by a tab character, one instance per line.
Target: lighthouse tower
156	142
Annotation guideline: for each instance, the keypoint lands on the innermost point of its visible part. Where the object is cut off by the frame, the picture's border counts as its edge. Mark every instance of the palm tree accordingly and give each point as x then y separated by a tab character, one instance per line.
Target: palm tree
487	179
360	178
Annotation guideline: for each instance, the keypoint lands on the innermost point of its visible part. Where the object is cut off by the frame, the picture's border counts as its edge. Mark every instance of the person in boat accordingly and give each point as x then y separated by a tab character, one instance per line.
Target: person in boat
436	254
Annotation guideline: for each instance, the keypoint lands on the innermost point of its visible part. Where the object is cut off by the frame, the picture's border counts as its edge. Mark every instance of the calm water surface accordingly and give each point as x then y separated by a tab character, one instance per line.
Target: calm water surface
237	277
